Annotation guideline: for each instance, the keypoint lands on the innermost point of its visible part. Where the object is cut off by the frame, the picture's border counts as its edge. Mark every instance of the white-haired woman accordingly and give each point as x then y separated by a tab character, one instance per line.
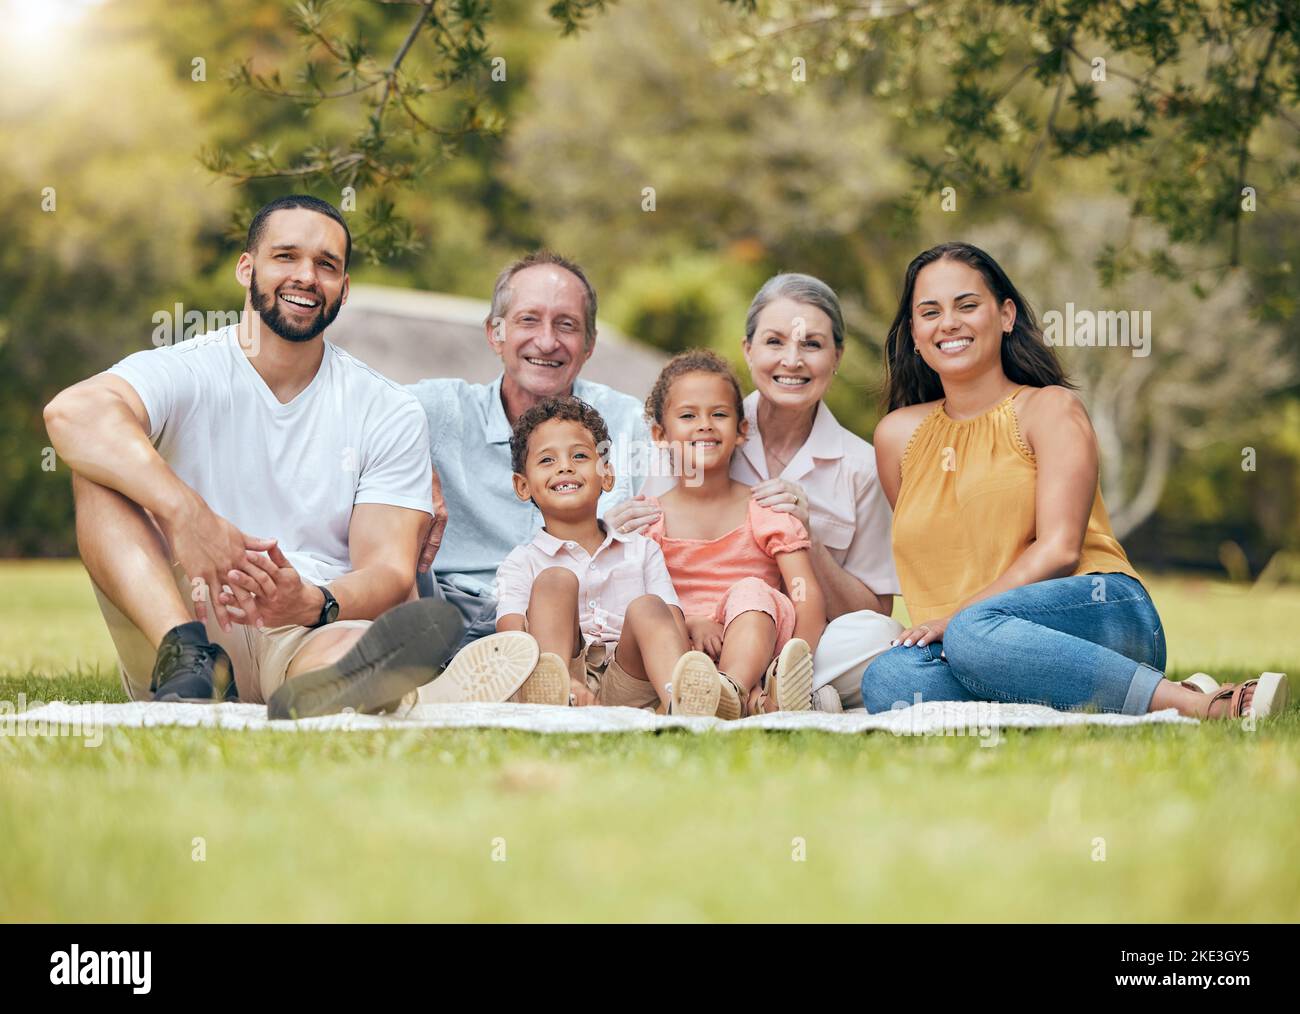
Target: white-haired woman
800	460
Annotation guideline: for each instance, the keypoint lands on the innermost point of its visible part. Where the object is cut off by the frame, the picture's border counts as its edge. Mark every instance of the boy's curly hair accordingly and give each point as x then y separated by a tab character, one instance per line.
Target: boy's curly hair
571	409
690	361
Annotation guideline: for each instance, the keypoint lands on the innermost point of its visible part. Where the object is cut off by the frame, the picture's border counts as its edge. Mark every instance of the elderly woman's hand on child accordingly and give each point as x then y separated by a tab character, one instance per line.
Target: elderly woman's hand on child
779	494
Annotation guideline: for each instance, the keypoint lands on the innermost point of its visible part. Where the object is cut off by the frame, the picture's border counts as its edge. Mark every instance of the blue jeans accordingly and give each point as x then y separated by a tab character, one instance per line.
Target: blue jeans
1086	643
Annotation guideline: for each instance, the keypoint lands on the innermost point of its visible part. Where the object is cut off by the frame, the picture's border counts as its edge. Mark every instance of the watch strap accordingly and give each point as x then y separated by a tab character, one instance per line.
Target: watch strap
329	610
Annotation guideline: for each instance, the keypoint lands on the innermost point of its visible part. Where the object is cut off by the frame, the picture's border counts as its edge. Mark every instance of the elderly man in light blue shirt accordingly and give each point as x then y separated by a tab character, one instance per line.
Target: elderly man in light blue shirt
543	328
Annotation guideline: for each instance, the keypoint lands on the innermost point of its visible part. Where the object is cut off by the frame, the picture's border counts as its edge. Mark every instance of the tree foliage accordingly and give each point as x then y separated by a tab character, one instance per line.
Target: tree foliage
819	175
101	224
1184	100
395	92
772	135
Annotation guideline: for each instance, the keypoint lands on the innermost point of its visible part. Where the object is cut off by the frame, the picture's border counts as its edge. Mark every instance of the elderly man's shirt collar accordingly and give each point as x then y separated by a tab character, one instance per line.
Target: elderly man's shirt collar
498	428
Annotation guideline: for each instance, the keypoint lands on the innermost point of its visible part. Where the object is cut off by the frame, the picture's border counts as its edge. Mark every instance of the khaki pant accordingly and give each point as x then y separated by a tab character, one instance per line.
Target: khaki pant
605	678
260	657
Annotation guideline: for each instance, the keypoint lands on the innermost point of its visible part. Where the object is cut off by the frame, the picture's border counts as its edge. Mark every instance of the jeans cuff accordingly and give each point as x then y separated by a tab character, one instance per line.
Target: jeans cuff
1140	691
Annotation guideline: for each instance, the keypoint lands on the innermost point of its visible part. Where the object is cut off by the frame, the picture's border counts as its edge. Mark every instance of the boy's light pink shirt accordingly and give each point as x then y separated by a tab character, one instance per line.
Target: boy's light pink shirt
624	567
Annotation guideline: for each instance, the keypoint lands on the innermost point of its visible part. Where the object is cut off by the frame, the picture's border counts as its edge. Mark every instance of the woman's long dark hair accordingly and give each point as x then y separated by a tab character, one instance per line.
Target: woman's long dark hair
1026	358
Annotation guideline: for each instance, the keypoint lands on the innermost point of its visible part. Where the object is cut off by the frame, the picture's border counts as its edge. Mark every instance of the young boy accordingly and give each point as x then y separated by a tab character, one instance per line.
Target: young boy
599	602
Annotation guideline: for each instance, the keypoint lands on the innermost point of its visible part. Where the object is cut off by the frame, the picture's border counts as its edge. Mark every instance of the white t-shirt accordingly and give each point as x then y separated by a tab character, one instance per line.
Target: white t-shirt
289	472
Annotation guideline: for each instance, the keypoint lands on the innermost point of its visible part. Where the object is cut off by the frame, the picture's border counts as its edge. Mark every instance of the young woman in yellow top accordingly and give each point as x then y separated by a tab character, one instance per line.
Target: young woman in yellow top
1015	584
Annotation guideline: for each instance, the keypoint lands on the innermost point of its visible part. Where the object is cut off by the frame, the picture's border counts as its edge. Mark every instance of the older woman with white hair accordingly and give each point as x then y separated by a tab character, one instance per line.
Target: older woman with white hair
799	459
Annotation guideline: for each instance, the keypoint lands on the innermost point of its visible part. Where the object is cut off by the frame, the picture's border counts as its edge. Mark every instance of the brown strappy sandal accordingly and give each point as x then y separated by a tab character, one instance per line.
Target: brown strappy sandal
1271	695
787	683
1201	683
731	703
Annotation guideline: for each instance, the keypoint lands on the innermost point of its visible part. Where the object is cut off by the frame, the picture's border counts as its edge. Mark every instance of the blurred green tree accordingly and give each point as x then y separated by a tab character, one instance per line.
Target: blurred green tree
392	101
101	219
1184	98
684	151
813	176
1178	384
1179	93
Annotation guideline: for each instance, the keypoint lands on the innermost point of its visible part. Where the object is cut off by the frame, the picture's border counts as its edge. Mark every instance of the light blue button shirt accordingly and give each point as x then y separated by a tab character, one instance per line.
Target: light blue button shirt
470	439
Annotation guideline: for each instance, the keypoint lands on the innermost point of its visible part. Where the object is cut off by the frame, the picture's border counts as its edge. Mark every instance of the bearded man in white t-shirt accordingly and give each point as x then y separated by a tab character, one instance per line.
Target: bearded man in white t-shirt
250	500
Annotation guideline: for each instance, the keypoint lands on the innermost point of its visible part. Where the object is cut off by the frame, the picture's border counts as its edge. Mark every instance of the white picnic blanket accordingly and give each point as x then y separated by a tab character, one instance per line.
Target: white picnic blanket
935	718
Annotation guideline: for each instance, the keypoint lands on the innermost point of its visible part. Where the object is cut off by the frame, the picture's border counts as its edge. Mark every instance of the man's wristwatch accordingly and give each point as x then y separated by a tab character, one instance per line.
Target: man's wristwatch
329	611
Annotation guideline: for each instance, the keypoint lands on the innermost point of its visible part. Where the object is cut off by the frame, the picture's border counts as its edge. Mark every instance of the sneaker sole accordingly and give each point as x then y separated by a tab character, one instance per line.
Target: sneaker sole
490	670
399	652
548	683
790	685
697	687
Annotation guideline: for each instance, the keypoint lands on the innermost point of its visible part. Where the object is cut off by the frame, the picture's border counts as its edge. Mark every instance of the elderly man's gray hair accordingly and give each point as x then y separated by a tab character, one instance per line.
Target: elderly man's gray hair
502	291
802	289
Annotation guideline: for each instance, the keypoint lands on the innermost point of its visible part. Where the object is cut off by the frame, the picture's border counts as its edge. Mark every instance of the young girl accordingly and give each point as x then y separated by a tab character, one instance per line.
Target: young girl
1016	586
742	571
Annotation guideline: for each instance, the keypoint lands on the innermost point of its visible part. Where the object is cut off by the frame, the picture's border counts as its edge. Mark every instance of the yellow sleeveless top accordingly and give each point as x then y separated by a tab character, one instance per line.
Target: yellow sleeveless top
966	510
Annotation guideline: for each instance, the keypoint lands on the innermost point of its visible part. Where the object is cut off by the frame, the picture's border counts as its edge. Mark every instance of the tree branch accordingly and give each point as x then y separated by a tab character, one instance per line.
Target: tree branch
280	93
1244	153
391	74
1159	455
1032	164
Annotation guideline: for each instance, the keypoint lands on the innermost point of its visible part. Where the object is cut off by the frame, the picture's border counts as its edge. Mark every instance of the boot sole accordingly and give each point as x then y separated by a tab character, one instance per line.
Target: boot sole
400	651
490	670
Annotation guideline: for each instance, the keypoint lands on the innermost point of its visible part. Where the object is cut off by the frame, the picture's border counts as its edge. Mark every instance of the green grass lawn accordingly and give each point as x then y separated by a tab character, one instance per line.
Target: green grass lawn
1195	823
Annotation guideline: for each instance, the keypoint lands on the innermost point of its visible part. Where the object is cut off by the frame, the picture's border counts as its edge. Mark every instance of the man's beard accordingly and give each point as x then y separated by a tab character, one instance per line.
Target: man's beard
268	307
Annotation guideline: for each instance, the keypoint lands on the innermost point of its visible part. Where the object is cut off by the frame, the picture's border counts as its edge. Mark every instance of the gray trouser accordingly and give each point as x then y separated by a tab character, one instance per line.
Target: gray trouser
478	611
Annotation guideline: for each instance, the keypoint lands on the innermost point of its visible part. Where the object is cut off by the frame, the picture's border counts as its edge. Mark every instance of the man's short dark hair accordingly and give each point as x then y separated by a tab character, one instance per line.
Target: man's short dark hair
258	225
571	409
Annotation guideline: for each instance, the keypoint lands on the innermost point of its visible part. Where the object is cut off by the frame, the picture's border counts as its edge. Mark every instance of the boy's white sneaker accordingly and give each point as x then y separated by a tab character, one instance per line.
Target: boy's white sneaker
490	669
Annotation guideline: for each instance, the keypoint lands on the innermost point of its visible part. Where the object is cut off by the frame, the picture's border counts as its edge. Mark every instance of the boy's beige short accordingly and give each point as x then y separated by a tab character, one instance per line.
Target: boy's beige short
605	678
260	657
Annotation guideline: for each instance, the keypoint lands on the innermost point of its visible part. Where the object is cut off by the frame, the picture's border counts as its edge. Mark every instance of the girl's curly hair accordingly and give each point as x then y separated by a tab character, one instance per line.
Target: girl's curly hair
690	361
